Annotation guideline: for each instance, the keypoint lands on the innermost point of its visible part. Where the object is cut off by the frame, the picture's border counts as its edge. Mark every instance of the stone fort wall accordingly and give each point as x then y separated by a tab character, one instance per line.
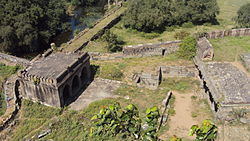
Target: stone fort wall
225	33
151	49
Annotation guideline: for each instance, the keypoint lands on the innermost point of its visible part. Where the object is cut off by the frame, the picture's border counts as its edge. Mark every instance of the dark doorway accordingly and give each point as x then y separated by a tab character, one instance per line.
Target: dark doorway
84	76
75	84
66	94
163	52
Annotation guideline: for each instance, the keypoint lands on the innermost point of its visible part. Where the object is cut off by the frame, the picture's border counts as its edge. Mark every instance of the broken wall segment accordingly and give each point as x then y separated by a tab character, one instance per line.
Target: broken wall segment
54	79
205	50
152	81
150	49
245	58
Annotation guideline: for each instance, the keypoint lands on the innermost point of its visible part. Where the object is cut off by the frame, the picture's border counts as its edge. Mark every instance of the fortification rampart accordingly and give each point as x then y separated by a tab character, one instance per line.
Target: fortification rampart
151	49
225	33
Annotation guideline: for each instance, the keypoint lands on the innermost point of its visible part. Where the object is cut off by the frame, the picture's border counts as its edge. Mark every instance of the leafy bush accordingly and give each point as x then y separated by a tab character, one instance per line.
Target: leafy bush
114	44
206	132
150	35
200	35
188	25
243	16
181	35
187	48
126	123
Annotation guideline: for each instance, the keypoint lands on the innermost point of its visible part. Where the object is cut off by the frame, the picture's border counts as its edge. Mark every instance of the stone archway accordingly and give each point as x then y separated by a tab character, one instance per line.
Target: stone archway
75	84
66	94
84	75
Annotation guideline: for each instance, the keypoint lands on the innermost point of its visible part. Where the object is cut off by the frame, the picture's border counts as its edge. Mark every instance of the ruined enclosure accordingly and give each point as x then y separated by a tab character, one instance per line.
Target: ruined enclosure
55	79
227	88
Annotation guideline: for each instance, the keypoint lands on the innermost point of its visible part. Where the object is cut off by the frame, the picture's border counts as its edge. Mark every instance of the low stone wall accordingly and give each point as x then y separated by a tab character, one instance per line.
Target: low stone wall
150	49
13	102
245	58
205	50
178	71
13	59
225	33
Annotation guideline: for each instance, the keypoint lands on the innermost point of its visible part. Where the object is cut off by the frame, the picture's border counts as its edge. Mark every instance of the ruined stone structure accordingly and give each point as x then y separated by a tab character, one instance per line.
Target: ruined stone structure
153	80
147	80
224	33
205	50
55	78
245	58
227	88
150	49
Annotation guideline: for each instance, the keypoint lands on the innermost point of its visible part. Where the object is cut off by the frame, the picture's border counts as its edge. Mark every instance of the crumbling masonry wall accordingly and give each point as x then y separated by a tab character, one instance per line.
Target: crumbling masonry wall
150	49
225	33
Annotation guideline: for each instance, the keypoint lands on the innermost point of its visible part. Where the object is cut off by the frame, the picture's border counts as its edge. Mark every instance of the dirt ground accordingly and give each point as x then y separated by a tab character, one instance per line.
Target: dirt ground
185	109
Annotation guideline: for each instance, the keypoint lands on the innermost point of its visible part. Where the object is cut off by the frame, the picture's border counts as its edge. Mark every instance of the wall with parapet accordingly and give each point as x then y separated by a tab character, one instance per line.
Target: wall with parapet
150	49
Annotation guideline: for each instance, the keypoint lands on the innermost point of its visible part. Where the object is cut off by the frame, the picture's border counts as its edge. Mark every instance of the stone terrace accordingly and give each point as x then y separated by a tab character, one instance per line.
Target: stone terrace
232	85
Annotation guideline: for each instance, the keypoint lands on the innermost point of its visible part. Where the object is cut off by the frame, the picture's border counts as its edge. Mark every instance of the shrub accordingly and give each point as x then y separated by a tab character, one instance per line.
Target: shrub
243	16
170	28
150	35
187	48
114	44
188	25
114	121
200	35
181	35
206	132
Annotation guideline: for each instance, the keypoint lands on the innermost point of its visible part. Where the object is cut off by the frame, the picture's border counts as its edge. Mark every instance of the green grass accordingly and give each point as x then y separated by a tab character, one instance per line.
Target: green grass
229	48
5	72
130	66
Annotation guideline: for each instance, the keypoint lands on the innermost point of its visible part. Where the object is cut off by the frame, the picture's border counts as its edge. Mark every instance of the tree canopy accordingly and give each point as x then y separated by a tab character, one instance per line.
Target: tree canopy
27	25
148	15
243	16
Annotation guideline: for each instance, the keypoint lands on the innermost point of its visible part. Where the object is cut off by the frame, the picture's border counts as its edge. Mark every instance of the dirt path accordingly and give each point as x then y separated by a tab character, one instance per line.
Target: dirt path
181	122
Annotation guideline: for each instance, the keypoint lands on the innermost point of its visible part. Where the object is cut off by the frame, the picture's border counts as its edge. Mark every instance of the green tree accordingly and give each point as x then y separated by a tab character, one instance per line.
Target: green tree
29	25
148	15
114	44
202	11
243	16
187	48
